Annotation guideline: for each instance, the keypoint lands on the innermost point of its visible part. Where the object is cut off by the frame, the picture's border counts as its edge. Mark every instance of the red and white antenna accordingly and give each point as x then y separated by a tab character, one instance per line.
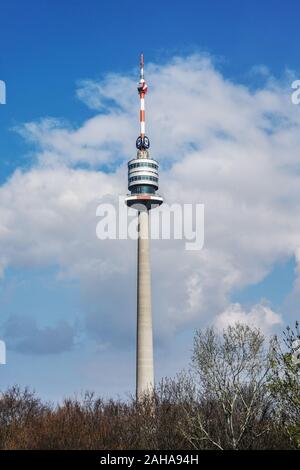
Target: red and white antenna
142	141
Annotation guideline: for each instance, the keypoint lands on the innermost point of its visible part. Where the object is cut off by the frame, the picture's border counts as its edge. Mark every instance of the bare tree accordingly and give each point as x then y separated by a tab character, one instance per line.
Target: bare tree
234	404
241	393
285	382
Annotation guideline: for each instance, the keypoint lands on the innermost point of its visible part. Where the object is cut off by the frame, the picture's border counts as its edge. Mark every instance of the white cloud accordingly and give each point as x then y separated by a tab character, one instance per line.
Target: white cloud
220	143
259	316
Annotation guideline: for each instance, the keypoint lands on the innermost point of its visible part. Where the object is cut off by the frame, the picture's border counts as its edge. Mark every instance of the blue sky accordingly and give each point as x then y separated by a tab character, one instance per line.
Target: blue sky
48	49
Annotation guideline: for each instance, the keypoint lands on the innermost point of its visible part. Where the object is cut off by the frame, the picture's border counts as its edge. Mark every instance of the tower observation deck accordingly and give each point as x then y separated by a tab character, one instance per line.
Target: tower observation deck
143	170
143	184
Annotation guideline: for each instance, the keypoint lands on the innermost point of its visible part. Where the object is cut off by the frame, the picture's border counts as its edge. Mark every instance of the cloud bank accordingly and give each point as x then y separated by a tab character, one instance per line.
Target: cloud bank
23	335
219	143
260	316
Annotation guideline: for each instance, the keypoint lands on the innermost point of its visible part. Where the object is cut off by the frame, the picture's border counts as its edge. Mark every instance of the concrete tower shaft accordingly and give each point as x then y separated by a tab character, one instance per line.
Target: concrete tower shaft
144	346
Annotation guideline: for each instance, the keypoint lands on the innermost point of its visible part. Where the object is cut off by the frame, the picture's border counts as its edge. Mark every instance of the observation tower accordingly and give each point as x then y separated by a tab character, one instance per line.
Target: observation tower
143	184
